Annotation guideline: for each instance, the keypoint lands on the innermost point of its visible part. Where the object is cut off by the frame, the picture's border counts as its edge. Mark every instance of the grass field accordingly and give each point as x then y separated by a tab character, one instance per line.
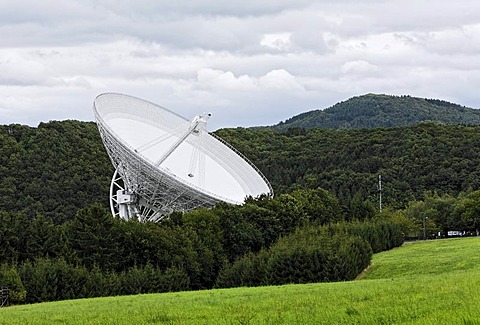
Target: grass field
432	282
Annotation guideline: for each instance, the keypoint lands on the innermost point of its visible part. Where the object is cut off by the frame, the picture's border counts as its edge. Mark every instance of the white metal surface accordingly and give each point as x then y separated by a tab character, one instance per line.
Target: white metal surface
164	162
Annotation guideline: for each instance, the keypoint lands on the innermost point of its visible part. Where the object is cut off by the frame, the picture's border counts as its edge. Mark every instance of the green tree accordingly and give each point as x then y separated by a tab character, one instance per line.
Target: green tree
471	215
320	206
239	235
9	277
45	239
207	237
8	238
93	238
359	209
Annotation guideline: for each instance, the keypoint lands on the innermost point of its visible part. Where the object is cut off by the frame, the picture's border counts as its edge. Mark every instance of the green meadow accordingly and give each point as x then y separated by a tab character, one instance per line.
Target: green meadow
427	282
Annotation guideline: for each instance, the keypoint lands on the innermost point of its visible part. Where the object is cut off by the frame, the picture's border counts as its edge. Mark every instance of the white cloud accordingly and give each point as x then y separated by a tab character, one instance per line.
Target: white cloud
278	41
220	80
359	67
250	63
280	79
19	70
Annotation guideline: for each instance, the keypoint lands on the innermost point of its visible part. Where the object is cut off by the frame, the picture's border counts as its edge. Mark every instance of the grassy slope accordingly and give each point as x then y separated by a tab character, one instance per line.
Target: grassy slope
440	257
434	282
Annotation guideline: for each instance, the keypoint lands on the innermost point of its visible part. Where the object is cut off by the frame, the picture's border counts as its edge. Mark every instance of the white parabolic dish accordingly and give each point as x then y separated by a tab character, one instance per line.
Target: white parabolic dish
168	163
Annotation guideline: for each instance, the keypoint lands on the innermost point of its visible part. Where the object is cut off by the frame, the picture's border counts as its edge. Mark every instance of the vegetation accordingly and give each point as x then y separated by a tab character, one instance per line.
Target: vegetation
97	255
335	252
446	294
60	167
372	111
52	170
58	240
412	161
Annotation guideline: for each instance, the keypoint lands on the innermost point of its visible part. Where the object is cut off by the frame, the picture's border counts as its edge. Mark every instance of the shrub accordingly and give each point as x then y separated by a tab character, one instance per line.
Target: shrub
9	277
311	254
50	280
248	271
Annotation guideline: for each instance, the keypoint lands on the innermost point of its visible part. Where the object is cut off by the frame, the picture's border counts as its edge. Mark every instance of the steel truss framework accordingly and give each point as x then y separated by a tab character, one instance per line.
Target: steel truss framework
141	189
155	193
4	295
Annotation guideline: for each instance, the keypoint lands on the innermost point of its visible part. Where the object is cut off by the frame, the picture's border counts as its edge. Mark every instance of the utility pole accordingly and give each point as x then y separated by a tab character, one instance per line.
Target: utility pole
380	193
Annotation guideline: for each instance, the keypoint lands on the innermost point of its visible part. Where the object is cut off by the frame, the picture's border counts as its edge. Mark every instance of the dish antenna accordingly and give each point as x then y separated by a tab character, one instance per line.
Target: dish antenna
165	163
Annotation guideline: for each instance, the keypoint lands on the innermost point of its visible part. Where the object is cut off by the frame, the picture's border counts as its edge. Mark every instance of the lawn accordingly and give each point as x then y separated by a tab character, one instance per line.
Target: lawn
427	258
431	282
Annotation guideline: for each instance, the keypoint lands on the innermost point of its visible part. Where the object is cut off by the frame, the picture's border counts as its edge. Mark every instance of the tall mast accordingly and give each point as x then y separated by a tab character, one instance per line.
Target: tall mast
380	193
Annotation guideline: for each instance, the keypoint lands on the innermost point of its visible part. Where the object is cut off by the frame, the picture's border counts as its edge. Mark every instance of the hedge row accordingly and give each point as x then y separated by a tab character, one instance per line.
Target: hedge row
381	235
51	280
313	254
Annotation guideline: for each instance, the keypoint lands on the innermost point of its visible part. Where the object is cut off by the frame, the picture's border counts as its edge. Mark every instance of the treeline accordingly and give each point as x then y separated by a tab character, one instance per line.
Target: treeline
54	279
439	214
95	255
411	160
373	111
336	252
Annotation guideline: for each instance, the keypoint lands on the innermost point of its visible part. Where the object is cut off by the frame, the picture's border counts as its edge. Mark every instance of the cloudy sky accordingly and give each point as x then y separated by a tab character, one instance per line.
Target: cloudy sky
247	62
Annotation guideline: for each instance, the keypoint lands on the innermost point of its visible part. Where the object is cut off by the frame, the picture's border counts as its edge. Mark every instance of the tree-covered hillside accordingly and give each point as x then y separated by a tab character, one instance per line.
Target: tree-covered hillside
59	241
53	170
370	111
59	167
412	160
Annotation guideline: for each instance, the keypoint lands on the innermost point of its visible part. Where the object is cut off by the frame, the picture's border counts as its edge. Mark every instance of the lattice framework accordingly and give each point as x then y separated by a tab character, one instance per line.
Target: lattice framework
155	191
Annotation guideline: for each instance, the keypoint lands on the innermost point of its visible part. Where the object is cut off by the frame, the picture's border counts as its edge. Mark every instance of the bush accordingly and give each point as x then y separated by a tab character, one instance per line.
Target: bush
9	277
309	255
335	252
50	280
381	235
248	271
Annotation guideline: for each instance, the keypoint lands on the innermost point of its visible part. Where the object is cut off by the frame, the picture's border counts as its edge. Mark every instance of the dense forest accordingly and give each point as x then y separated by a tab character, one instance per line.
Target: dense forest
371	110
59	241
59	167
53	169
412	160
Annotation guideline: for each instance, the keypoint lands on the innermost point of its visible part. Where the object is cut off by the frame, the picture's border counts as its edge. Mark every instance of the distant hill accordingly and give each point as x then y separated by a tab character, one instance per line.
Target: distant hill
371	110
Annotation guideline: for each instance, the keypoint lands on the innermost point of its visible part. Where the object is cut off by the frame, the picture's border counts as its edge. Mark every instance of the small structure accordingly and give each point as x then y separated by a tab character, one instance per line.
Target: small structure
3	296
455	233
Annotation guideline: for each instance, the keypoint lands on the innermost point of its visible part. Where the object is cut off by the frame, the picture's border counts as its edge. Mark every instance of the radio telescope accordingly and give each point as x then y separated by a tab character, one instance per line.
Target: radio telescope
165	163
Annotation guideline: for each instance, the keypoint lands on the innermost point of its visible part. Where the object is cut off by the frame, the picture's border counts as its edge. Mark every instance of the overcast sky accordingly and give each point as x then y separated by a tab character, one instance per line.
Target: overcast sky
247	62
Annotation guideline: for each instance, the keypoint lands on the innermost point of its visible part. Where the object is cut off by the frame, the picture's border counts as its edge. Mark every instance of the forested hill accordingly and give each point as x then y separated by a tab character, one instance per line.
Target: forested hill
52	170
370	111
412	160
59	167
